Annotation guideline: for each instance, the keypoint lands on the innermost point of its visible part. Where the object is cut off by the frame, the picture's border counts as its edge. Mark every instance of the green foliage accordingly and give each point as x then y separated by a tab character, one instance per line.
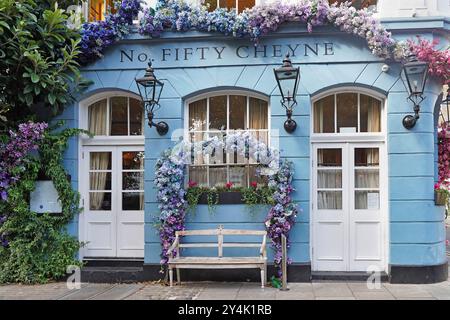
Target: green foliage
40	249
275	282
38	54
252	197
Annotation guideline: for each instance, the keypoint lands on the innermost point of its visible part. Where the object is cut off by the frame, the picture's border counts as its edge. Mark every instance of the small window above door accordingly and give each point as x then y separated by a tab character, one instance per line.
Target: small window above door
116	116
347	113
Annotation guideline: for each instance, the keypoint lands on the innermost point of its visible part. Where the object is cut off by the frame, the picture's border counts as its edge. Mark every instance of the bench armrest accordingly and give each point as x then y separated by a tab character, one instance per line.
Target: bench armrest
262	251
173	246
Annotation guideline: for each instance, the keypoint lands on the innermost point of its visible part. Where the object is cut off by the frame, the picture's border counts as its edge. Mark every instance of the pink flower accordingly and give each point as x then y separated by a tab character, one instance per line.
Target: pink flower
229	185
254	184
192	184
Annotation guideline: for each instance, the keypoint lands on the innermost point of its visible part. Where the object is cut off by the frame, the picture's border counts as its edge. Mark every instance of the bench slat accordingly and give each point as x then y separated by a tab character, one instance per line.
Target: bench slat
215	245
215	232
215	260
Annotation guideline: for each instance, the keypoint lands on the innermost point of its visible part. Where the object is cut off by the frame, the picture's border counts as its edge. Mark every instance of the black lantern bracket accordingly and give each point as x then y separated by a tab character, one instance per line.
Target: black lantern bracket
150	89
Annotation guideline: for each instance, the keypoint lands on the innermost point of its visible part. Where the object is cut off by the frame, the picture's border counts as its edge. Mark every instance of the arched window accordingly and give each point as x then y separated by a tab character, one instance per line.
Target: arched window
216	115
97	9
346	113
116	116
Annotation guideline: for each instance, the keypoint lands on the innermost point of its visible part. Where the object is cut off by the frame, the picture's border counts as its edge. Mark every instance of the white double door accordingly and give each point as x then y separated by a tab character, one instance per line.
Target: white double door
349	212
113	197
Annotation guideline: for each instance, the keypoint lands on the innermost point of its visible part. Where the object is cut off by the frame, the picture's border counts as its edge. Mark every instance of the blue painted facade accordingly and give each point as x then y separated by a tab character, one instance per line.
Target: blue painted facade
416	225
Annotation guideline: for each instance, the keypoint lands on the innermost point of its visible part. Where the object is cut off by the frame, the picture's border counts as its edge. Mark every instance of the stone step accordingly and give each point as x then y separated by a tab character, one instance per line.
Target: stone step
112	274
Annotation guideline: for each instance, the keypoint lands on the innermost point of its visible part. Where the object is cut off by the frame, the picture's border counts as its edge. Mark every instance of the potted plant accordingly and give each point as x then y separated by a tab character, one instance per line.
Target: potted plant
441	194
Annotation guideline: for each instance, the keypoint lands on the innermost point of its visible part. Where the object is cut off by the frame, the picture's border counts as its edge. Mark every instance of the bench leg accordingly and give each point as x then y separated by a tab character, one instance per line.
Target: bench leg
178	276
171	277
263	276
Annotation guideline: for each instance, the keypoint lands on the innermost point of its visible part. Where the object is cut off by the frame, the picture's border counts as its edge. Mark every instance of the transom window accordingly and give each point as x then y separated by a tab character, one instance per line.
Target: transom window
116	116
239	5
216	116
347	113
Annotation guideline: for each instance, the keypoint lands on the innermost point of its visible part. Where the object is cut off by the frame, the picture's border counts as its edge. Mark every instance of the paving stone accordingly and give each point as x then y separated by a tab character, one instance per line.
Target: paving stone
87	291
335	298
401	291
294	295
331	289
118	292
373	295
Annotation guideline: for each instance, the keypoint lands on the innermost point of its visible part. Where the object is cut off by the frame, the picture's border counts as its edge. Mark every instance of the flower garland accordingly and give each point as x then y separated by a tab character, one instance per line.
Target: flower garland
169	181
260	20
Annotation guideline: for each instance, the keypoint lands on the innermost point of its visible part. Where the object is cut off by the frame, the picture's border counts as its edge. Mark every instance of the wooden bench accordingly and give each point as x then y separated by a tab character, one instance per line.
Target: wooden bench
176	261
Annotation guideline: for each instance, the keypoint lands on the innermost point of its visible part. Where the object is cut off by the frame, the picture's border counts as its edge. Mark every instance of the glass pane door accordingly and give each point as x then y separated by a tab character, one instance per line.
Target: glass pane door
367	179
329	179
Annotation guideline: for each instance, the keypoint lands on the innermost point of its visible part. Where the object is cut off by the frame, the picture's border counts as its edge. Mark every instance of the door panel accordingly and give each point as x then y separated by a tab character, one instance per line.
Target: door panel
348	229
114	201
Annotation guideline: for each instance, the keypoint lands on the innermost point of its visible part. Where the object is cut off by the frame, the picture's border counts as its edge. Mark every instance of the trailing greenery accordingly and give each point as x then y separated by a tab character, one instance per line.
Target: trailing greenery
251	196
39	247
39	72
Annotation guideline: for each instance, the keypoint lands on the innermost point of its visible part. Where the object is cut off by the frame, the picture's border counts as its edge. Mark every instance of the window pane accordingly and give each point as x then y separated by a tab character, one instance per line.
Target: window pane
254	176
97	118
370	114
218	113
136	118
100	180
132	181
324	115
238	112
244	4
100	201
367	200
197	115
217	176
133	160
257	114
347	112
196	151
119	116
238	176
227	4
198	175
211	4
329	200
330	157
329	179
217	156
100	161
367	178
132	201
367	157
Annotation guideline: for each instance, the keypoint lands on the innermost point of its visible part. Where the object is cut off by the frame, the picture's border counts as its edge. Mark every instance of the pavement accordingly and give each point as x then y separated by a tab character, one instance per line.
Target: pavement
226	291
317	290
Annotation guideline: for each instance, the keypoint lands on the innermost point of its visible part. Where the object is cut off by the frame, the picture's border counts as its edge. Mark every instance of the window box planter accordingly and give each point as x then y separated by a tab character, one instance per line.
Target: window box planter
231	197
440	198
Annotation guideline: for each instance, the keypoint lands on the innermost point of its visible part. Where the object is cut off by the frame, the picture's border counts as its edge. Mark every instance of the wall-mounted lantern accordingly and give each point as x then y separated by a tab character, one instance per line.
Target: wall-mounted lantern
150	89
288	79
416	74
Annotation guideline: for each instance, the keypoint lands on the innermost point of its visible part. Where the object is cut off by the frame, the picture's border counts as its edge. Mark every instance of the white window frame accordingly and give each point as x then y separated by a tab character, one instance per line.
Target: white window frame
248	95
350	137
101	139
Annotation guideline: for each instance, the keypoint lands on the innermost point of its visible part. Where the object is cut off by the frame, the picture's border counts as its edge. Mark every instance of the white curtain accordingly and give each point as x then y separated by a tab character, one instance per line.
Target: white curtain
367	178
373	115
97	118
330	200
99	161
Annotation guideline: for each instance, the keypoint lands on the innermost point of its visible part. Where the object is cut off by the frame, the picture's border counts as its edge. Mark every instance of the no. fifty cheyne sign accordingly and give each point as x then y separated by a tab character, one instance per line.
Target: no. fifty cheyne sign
185	53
